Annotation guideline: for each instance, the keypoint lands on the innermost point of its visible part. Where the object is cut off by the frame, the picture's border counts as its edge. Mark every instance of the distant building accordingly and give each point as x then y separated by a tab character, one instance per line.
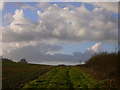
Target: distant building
22	61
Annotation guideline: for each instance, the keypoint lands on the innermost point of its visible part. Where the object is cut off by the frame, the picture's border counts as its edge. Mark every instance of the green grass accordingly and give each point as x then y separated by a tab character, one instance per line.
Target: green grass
16	75
81	79
64	77
101	71
54	78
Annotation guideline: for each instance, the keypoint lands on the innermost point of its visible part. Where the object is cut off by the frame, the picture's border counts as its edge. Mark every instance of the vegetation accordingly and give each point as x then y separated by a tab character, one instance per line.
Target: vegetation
16	75
100	71
23	61
64	77
105	66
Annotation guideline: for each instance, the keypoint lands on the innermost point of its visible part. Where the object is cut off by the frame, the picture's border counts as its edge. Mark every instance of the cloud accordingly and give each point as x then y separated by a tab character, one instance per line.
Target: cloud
96	48
7	19
43	5
41	48
110	6
66	26
1	5
38	41
39	54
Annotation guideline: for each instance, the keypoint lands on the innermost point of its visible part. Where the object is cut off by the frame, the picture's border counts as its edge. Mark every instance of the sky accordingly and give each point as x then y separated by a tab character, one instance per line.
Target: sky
58	32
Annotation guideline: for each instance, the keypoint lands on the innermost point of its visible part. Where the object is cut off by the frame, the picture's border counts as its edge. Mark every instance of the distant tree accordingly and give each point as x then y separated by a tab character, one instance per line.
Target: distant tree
6	59
23	61
61	65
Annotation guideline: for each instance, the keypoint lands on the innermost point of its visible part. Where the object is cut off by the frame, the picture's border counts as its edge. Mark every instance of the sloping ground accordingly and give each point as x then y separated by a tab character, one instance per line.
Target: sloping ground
16	75
65	77
106	67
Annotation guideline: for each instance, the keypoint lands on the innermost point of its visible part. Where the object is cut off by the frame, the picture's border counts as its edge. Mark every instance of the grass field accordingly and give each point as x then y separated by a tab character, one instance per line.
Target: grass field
16	75
101	71
65	77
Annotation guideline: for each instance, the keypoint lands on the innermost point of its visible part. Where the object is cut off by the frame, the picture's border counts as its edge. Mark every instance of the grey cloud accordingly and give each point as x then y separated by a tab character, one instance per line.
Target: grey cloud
58	25
33	54
110	6
38	54
65	26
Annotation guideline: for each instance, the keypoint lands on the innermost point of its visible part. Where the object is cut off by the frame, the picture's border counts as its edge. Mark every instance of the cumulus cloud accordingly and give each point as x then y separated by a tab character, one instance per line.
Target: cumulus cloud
7	19
39	54
20	23
112	7
66	26
39	40
41	48
1	5
96	48
43	5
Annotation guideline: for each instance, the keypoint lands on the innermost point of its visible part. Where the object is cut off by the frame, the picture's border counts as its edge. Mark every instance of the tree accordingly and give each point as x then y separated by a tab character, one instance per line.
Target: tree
23	61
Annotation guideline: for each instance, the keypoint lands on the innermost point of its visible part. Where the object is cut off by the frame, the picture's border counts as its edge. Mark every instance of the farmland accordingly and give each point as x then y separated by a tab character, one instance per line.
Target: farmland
15	75
65	77
96	73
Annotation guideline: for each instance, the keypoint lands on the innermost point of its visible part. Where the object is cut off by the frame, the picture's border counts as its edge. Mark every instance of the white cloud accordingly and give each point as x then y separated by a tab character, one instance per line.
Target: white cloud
7	19
20	24
79	24
96	48
58	25
1	5
110	6
43	5
67	26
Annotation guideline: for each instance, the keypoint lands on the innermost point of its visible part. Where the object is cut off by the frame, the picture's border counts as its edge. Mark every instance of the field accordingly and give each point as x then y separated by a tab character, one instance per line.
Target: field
16	75
96	73
65	77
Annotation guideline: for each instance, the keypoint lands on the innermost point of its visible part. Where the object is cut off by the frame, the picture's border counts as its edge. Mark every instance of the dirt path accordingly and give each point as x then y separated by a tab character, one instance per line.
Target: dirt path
64	77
